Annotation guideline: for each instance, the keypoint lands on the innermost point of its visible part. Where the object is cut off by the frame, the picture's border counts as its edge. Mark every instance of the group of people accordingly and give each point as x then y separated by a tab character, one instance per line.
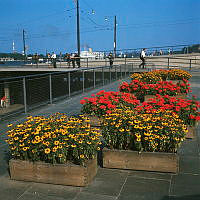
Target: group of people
51	58
74	59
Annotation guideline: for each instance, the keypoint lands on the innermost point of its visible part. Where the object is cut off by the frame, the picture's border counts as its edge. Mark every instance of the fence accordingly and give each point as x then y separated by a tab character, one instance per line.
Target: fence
28	92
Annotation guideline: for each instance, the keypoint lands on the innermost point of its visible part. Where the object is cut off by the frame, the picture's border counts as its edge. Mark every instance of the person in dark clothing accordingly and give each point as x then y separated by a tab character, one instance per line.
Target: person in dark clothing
73	61
142	58
53	57
68	59
77	58
111	58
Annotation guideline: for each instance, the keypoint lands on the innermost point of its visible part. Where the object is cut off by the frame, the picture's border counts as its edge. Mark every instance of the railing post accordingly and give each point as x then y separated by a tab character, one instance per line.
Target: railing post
125	70
121	71
83	81
103	75
87	62
24	89
168	62
190	64
94	79
132	67
105	62
110	74
50	89
115	72
69	84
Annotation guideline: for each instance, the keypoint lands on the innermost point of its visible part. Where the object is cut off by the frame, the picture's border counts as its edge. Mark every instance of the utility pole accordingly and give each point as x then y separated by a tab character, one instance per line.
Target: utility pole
115	35
24	44
78	28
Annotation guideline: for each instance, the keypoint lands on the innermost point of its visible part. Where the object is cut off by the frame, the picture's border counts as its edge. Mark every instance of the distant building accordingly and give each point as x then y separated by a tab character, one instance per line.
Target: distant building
92	55
7	59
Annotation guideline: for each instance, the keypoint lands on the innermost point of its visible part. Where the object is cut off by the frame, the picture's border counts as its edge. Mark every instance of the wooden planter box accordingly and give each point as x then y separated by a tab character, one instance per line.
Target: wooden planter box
62	174
147	161
191	134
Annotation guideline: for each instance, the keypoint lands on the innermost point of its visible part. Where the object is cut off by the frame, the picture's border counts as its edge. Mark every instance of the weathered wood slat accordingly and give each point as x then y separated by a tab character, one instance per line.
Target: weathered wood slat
148	161
61	174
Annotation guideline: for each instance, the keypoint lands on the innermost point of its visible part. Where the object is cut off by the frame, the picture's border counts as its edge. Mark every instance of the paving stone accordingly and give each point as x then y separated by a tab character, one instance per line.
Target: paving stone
189	164
188	148
91	196
11	190
61	191
187	197
139	188
4	170
151	175
40	196
185	184
107	182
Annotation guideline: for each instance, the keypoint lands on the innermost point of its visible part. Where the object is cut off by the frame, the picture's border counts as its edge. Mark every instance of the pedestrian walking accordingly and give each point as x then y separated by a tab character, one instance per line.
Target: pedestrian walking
73	61
111	59
68	59
77	58
142	58
53	58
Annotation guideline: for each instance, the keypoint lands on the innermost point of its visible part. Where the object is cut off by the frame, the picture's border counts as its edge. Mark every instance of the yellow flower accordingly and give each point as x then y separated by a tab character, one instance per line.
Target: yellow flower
89	143
56	142
60	155
138	139
25	148
82	156
73	145
47	150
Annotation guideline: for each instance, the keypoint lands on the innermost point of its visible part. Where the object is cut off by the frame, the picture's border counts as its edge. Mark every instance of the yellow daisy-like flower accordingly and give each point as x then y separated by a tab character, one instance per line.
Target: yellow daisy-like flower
47	150
82	156
56	143
89	143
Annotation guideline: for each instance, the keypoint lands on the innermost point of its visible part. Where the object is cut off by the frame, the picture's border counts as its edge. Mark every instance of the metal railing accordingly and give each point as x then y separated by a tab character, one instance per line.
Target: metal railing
28	92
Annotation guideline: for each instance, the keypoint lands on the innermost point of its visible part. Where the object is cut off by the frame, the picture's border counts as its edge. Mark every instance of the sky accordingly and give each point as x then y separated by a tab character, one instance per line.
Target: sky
50	25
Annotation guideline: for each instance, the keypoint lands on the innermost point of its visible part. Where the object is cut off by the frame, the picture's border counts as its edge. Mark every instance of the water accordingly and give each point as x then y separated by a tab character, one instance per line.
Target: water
13	63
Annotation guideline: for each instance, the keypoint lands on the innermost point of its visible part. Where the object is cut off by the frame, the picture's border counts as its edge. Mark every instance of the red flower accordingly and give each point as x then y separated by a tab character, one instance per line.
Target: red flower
82	101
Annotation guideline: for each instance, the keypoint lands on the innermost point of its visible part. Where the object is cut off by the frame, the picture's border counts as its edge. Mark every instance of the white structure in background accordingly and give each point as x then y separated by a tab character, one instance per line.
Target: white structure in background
13	46
92	55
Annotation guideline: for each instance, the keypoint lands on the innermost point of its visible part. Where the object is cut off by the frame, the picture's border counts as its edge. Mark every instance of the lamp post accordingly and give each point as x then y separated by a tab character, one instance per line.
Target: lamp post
78	27
24	45
115	34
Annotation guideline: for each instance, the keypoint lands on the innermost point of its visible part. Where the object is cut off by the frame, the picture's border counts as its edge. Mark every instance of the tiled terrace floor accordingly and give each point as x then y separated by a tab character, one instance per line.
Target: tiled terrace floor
109	184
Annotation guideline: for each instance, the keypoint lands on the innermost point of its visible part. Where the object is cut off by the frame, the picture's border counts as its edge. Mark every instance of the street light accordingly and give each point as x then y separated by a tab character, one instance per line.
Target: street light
115	33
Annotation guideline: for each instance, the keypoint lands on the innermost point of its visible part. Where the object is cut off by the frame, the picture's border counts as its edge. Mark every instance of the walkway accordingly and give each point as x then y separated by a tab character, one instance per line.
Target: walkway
109	184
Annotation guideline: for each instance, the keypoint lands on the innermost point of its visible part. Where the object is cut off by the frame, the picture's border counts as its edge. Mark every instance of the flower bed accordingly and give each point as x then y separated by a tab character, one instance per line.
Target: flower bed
159	75
155	131
104	102
141	89
57	139
187	109
178	74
